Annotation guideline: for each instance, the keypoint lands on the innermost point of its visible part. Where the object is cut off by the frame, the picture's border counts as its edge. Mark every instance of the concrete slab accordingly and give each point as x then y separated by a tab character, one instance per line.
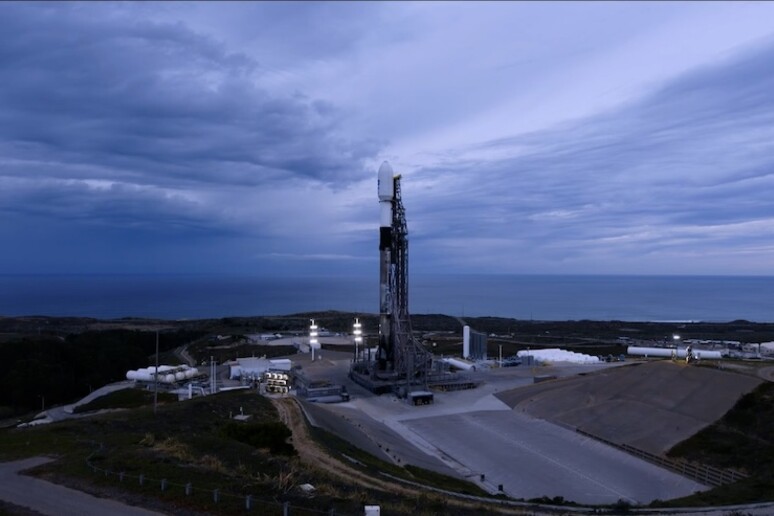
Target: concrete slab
652	406
374	437
467	433
532	458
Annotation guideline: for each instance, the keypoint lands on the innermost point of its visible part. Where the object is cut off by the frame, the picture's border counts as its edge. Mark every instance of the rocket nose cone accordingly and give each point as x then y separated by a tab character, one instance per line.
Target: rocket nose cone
385	169
385	182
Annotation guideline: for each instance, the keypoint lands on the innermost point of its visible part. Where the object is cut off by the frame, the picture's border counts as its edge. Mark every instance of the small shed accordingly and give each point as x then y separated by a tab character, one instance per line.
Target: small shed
420	397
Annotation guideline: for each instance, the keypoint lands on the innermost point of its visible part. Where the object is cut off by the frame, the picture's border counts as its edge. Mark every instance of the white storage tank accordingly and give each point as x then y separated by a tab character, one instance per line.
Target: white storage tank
703	354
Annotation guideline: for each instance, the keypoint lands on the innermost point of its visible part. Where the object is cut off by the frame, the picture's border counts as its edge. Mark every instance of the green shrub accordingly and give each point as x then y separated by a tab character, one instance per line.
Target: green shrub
272	435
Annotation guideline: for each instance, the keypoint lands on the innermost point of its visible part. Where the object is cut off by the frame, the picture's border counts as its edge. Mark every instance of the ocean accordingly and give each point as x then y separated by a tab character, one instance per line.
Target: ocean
537	297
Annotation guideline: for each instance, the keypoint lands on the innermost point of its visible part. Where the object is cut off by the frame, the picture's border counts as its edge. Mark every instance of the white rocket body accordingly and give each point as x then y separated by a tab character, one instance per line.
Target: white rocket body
386	187
386	192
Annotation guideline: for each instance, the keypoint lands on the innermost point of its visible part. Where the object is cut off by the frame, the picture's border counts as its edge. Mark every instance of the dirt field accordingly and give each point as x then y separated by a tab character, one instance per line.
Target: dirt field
651	406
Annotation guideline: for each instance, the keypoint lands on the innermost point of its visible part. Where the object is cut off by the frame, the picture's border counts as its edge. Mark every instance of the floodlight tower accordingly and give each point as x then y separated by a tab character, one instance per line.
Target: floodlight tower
313	342
357	332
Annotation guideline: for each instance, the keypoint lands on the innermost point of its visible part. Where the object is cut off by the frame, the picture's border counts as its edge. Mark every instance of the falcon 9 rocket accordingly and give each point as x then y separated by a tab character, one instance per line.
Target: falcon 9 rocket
386	190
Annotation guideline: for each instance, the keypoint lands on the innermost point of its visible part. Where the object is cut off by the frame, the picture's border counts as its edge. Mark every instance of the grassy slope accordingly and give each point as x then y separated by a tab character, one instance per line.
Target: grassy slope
124	398
196	441
741	440
185	442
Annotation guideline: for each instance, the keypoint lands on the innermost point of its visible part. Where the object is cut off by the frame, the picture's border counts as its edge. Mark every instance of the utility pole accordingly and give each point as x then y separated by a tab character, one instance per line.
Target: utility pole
213	372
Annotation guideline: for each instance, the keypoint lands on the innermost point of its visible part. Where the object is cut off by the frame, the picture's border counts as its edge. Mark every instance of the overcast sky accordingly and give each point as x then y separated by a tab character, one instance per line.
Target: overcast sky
547	137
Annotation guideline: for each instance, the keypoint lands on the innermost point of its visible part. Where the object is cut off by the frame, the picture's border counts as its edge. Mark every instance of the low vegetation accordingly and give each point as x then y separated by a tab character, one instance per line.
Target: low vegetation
124	398
192	442
742	440
197	442
338	447
43	371
270	435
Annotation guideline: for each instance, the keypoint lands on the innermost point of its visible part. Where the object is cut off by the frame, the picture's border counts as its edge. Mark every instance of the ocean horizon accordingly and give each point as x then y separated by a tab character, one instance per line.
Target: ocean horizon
525	297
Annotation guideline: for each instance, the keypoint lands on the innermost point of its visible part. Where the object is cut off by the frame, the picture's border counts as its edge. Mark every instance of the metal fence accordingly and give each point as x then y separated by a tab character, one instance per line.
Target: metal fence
702	473
251	502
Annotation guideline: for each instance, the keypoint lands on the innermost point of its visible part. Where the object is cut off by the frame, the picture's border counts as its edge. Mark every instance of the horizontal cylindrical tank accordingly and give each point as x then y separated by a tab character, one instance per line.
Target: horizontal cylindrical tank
704	354
284	364
459	364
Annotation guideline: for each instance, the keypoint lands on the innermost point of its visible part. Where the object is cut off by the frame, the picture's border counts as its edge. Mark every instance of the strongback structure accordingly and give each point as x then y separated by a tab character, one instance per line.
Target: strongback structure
401	362
399	354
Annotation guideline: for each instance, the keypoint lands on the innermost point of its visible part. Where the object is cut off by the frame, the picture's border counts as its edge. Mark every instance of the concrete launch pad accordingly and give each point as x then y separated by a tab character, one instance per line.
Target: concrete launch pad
532	458
521	435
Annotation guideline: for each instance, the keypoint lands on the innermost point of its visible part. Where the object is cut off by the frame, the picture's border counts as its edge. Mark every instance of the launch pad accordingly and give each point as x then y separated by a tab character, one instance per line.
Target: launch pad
401	364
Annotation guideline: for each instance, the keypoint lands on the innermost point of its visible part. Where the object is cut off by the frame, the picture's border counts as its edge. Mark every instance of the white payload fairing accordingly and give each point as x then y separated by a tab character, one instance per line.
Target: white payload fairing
386	187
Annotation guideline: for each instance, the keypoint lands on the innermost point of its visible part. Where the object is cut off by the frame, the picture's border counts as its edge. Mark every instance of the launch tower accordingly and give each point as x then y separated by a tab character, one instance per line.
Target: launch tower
401	360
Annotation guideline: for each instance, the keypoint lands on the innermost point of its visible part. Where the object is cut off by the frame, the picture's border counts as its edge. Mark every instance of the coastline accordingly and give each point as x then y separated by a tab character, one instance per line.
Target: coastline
523	297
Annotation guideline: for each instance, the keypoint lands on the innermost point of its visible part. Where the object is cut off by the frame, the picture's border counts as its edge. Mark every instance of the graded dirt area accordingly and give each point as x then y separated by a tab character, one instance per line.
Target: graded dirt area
651	406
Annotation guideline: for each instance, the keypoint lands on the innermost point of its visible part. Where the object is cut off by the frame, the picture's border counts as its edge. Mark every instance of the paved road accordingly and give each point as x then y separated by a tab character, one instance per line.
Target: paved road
53	499
66	411
182	353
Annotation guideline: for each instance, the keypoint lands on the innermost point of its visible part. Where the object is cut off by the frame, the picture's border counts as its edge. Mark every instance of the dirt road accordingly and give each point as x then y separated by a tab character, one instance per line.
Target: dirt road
311	453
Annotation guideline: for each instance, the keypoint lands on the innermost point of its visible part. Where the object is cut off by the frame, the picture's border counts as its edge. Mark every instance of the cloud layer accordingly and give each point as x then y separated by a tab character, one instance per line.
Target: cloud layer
137	124
671	179
245	138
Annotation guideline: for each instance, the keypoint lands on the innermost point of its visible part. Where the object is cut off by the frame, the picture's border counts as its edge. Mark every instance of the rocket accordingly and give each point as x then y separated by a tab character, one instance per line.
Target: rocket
386	191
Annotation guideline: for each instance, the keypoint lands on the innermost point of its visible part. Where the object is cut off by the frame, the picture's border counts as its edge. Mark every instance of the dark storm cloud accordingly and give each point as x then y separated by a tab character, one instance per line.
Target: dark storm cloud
153	103
129	144
78	202
690	166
